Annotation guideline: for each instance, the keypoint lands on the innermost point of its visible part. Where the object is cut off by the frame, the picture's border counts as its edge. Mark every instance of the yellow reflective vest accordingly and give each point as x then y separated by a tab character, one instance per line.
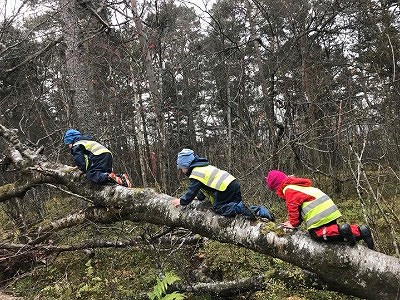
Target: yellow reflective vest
93	147
318	212
212	177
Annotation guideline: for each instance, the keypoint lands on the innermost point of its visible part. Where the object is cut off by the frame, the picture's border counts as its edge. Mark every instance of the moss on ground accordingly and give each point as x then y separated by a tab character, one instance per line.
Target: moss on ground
110	274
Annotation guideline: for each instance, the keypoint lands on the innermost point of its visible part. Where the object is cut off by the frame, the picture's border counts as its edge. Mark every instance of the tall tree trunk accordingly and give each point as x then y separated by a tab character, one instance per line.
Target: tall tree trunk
268	93
155	95
229	121
79	71
140	138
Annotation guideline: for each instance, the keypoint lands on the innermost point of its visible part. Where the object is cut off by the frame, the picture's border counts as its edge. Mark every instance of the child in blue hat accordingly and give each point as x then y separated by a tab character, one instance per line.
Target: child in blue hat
222	188
93	159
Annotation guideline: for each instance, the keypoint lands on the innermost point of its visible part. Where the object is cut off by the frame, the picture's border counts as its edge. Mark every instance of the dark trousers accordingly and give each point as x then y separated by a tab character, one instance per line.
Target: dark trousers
229	202
226	202
99	168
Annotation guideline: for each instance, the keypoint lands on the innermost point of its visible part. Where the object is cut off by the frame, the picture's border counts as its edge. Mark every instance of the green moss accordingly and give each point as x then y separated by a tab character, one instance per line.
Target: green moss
272	227
4	189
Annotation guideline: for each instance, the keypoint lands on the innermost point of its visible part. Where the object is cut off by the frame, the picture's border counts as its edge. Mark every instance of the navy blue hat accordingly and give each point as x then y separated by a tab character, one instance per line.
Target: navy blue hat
185	158
70	135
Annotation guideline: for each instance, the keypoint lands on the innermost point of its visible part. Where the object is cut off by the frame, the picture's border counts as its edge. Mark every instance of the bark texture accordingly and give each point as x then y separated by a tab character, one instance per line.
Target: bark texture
78	68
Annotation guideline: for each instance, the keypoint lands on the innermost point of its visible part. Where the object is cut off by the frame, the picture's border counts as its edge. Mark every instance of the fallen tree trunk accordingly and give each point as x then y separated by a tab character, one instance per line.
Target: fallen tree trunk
356	271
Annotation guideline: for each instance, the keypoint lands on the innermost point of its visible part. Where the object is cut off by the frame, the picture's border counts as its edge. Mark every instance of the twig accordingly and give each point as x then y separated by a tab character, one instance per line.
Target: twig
69	193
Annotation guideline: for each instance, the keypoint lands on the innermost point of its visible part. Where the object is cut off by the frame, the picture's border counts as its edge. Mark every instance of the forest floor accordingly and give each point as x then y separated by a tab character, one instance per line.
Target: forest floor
7	297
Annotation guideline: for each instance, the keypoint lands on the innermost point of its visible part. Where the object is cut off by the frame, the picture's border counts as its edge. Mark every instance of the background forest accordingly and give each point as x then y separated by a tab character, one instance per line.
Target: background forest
309	87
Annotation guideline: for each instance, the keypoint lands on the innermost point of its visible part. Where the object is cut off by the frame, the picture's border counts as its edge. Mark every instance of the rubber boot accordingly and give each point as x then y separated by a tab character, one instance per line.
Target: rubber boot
262	213
365	234
248	213
346	234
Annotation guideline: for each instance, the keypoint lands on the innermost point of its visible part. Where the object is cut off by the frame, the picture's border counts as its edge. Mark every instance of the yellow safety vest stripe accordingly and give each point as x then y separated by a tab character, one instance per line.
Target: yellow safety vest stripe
212	177
209	195
318	212
86	161
93	146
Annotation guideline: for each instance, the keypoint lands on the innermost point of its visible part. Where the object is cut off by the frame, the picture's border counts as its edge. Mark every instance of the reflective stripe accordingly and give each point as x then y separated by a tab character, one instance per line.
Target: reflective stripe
93	146
97	148
212	176
222	178
313	204
321	215
324	234
319	211
198	174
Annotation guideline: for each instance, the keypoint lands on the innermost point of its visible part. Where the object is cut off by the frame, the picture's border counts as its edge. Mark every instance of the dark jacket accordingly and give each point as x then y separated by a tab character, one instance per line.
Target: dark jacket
95	162
194	187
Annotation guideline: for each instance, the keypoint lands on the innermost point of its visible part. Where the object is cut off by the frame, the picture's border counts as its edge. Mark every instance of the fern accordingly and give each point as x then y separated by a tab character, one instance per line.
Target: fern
89	268
160	289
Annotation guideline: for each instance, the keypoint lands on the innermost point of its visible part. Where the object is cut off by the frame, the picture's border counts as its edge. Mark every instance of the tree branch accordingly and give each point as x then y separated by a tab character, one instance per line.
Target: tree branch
224	288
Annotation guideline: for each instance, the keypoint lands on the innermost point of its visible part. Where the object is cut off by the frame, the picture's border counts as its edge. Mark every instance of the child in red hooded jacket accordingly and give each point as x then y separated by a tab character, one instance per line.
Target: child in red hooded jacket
310	205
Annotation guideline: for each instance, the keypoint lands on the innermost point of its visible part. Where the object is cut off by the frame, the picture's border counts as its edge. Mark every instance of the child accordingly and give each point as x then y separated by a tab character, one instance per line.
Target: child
221	187
93	159
315	208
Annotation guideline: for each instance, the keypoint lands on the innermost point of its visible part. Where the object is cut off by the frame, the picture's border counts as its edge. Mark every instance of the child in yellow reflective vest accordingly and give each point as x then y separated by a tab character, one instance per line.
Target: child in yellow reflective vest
93	159
310	205
222	188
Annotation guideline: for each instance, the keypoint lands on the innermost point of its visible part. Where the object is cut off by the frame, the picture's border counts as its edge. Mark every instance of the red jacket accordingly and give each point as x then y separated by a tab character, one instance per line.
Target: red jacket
294	199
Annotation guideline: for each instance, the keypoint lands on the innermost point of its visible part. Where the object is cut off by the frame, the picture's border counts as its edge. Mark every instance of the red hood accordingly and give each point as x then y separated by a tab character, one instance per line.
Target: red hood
292	180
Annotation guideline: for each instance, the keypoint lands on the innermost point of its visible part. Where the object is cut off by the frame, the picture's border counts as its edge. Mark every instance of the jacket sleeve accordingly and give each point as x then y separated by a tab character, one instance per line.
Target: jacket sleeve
191	192
79	157
201	196
294	200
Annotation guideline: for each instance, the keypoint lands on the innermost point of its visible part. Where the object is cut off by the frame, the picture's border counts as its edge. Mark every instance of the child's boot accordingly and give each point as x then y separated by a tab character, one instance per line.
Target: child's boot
126	181
114	177
264	213
365	234
346	234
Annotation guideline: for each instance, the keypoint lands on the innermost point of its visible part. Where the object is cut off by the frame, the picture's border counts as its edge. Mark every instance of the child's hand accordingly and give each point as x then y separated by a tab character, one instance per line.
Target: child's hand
71	168
287	225
176	202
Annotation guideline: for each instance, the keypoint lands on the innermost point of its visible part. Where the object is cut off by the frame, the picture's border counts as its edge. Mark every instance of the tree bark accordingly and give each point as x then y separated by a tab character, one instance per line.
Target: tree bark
155	94
225	288
268	93
78	68
140	137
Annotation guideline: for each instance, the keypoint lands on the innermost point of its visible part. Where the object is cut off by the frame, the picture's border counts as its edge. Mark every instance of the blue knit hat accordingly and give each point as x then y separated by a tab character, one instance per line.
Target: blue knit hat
70	135
185	158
